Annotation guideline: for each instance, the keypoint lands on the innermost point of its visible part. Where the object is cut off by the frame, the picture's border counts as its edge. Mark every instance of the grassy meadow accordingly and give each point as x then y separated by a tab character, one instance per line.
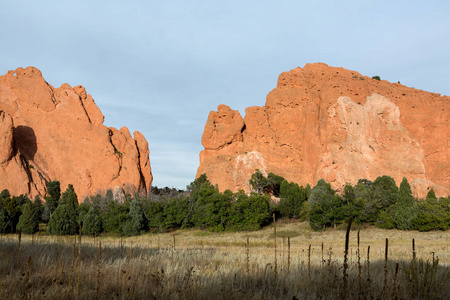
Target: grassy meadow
195	264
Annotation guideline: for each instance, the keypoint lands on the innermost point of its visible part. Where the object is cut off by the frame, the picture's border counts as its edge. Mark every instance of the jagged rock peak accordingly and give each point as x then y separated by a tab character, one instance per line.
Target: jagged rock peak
58	134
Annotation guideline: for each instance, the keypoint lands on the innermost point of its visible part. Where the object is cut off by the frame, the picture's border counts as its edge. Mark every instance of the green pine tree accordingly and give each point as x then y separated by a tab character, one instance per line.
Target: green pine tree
70	200
431	196
405	207
58	224
51	199
322	201
64	220
28	222
13	210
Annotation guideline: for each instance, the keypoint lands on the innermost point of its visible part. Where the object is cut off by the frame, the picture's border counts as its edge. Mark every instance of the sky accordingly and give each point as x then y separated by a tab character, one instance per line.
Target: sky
160	67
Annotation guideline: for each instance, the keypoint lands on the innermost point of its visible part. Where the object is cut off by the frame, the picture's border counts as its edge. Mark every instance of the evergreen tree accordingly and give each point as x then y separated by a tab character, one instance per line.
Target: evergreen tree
38	207
13	210
4	195
321	203
136	220
292	198
432	215
431	196
351	205
249	212
195	186
64	220
384	191
28	222
212	211
209	206
273	184
5	223
70	199
177	212
52	198
383	194
349	194
405	207
58	223
92	223
258	182
115	216
385	218
154	212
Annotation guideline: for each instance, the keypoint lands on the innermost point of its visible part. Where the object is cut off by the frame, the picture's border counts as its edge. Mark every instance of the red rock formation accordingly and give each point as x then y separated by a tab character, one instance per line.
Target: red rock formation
52	133
332	123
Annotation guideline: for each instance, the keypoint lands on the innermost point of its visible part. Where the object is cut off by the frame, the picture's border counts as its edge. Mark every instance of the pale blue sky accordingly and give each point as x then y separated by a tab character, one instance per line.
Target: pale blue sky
160	66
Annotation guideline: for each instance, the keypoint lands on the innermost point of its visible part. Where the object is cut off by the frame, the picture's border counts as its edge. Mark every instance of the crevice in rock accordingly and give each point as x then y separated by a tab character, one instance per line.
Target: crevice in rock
25	166
84	108
142	183
118	154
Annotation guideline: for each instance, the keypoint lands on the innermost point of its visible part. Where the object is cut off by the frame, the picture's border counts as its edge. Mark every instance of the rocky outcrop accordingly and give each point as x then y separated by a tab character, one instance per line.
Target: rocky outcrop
52	133
335	124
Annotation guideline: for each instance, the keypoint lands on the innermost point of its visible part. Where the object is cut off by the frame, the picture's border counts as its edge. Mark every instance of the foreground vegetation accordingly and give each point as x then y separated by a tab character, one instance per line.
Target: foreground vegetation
380	203
195	264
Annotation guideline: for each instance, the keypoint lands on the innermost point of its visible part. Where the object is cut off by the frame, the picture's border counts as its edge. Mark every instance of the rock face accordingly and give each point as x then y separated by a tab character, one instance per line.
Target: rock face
335	124
49	133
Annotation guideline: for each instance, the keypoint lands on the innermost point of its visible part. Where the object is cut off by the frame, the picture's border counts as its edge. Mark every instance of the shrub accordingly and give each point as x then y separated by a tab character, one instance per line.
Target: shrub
432	215
249	212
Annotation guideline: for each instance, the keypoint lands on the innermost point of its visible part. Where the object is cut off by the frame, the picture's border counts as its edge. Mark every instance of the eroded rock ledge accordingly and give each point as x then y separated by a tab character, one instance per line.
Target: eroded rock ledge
335	124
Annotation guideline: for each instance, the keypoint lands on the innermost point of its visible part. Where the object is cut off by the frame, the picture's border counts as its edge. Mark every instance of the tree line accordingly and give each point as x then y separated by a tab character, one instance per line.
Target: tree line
379	203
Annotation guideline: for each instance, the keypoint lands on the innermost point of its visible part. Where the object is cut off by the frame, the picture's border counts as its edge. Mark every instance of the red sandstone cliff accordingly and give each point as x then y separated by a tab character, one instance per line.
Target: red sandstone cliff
335	124
49	133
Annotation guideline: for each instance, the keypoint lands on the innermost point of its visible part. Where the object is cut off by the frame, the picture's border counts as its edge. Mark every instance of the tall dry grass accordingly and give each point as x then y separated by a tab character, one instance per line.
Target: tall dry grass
207	265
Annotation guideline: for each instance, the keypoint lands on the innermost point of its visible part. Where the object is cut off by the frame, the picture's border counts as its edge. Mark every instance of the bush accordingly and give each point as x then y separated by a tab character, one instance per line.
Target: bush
376	77
249	212
432	215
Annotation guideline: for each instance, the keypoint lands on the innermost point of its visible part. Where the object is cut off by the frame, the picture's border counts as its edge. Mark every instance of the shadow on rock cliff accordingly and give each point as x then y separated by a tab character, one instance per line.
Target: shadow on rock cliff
25	140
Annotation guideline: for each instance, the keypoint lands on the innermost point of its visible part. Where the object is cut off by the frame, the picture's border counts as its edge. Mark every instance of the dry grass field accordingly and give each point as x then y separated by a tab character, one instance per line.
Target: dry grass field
195	264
